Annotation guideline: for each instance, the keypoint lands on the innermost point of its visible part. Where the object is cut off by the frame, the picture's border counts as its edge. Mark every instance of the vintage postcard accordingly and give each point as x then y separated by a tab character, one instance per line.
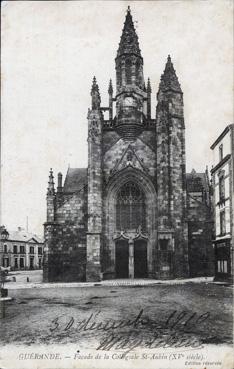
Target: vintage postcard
117	184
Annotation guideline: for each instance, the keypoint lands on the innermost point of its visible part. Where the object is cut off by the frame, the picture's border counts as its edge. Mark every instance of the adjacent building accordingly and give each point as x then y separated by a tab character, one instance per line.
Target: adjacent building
20	250
200	224
223	203
126	215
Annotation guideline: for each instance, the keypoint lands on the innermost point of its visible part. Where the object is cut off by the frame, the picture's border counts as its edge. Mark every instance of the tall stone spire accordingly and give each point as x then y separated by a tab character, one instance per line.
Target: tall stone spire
129	40
96	99
169	80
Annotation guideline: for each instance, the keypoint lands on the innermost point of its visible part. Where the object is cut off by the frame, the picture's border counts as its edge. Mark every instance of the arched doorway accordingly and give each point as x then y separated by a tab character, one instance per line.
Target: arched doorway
121	259
140	258
129	209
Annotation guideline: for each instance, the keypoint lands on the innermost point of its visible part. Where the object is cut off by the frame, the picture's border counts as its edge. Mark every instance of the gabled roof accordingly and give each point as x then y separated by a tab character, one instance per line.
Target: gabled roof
76	179
23	236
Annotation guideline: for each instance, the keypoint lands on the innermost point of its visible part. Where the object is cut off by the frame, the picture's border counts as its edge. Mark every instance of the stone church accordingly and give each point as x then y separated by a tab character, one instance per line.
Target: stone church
126	215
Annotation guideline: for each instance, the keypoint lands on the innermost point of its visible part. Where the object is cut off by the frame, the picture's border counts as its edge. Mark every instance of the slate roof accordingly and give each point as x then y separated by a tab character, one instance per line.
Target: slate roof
23	236
76	179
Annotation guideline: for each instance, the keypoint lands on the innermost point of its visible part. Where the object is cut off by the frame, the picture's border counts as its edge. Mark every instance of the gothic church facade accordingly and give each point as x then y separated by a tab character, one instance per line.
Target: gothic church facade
125	216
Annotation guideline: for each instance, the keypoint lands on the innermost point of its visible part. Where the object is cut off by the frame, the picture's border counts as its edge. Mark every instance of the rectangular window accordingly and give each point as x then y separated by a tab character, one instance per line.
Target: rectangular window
21	263
221	188
222	223
22	249
5	248
225	266
16	263
31	250
40	250
39	262
222	266
221	152
15	249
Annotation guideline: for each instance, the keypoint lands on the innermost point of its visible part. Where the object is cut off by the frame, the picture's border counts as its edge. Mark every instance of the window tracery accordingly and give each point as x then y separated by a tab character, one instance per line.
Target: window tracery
130	207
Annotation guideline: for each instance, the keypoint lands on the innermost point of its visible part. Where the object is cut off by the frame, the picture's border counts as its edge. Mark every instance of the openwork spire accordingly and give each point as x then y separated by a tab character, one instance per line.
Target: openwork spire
169	80
129	40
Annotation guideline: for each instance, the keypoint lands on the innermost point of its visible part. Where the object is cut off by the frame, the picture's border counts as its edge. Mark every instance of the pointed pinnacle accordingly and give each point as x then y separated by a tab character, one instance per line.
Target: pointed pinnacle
149	86
94	85
169	80
51	176
50	189
169	64
110	89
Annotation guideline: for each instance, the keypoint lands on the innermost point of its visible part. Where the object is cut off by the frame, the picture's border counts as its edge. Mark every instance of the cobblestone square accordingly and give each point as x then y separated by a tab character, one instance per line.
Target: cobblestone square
197	312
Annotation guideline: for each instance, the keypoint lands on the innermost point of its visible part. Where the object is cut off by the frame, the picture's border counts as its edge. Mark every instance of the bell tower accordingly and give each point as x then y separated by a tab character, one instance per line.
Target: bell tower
130	86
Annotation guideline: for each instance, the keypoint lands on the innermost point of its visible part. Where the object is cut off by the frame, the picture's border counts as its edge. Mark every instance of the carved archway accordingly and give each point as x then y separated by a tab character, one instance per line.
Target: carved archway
145	184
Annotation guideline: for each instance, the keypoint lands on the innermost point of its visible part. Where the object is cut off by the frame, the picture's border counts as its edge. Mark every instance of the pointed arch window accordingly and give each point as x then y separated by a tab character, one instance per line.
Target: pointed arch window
130	207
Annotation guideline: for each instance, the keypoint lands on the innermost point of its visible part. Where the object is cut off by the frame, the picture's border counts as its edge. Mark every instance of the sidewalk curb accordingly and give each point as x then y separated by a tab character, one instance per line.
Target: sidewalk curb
111	283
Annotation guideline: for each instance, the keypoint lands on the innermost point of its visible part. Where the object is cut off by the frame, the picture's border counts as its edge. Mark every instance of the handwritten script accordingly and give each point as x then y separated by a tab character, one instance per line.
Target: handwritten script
177	330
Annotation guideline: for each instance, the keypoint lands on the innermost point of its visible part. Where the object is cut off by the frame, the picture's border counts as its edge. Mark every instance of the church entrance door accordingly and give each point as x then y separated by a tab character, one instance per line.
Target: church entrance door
121	259
140	259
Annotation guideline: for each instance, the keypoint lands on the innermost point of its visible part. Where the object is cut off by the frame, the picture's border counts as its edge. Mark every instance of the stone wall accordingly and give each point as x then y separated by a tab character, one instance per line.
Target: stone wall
65	240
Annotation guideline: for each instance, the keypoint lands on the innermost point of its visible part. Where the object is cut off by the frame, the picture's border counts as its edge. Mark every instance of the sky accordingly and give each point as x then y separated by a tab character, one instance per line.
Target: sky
50	52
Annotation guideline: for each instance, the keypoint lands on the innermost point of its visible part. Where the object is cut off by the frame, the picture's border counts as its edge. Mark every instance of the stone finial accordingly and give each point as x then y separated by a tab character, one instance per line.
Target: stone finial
50	188
96	99
169	80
